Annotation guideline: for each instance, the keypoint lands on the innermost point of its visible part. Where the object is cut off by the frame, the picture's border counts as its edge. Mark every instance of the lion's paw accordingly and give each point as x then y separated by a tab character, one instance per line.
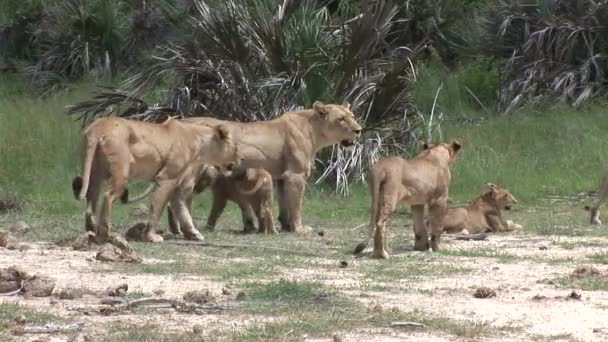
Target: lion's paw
194	236
382	254
153	237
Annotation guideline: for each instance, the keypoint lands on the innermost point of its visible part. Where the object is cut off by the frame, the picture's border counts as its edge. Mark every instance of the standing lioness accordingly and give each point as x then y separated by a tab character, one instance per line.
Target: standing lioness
118	149
286	147
422	180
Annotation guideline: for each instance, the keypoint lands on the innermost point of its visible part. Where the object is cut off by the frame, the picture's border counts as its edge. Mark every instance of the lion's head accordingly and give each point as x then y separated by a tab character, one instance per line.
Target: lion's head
441	151
207	178
498	196
222	148
338	123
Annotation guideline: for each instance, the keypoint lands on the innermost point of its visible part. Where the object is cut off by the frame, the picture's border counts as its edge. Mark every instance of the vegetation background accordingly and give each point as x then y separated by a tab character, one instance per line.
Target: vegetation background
521	82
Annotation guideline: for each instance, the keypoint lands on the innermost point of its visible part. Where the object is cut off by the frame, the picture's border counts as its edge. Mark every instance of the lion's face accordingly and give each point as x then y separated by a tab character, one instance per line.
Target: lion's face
223	150
500	197
339	124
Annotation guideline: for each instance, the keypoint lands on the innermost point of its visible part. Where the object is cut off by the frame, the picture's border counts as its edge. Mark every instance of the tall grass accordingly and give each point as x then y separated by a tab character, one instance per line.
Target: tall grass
38	146
532	153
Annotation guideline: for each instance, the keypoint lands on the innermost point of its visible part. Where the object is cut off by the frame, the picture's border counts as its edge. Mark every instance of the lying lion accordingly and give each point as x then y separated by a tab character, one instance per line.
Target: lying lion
483	215
286	147
422	180
250	189
168	154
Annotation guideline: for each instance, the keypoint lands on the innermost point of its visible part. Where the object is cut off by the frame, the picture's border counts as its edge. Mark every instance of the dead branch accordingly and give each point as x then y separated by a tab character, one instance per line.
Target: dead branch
467	237
407	324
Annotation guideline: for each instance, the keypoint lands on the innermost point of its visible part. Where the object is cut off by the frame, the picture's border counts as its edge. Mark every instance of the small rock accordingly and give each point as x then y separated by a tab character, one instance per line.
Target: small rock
199	297
159	292
20	320
495	268
84	241
226	291
539	297
70	294
343	264
596	330
484	292
574	295
117	291
543	248
526	289
39	286
20	227
337	338
23	247
53	301
321	233
4	238
136	232
108	253
198	329
240	296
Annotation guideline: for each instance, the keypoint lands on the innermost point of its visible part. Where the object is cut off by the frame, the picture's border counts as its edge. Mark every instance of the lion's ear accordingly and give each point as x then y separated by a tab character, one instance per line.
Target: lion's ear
491	185
456	145
319	107
223	133
346	104
426	146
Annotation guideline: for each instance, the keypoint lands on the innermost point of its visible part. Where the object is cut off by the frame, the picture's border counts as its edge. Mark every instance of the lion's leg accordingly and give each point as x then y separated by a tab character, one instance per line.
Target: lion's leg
92	198
421	239
437	212
496	224
174	225
185	219
295	185
247	215
117	187
219	203
267	215
282	202
601	198
386	208
158	201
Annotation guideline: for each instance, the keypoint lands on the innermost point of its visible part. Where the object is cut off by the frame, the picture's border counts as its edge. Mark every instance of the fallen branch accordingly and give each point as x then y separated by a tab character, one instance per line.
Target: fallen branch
218	245
407	324
50	328
467	237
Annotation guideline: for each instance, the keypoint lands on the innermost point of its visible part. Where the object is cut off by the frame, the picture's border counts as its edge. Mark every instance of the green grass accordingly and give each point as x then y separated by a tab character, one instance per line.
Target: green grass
9	312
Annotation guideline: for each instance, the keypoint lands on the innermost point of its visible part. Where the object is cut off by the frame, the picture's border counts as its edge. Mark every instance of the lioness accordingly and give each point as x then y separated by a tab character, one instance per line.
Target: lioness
483	215
602	194
168	154
250	189
286	147
422	180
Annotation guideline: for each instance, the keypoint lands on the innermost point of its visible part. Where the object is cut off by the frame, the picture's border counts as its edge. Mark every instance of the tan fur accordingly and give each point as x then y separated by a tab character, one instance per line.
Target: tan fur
169	154
250	189
422	180
484	214
286	148
602	194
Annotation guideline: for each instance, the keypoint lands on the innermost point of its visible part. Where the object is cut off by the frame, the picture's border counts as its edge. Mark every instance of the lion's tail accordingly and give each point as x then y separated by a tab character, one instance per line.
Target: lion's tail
261	181
90	142
374	184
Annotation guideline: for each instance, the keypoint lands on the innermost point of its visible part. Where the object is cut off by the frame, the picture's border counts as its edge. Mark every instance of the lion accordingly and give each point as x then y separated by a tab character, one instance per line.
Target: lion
602	194
169	154
286	147
422	180
249	188
483	215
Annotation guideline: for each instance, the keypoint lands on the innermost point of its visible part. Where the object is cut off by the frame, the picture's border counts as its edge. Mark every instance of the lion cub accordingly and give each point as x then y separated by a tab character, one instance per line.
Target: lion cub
250	188
422	180
483	215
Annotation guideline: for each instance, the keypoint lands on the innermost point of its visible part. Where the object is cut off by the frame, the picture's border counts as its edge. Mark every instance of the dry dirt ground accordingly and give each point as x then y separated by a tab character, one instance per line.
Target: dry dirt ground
547	283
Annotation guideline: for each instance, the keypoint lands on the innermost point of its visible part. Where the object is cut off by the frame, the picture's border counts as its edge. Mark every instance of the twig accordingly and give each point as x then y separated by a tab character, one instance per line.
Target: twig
428	137
408	324
467	237
50	328
218	245
359	226
477	99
